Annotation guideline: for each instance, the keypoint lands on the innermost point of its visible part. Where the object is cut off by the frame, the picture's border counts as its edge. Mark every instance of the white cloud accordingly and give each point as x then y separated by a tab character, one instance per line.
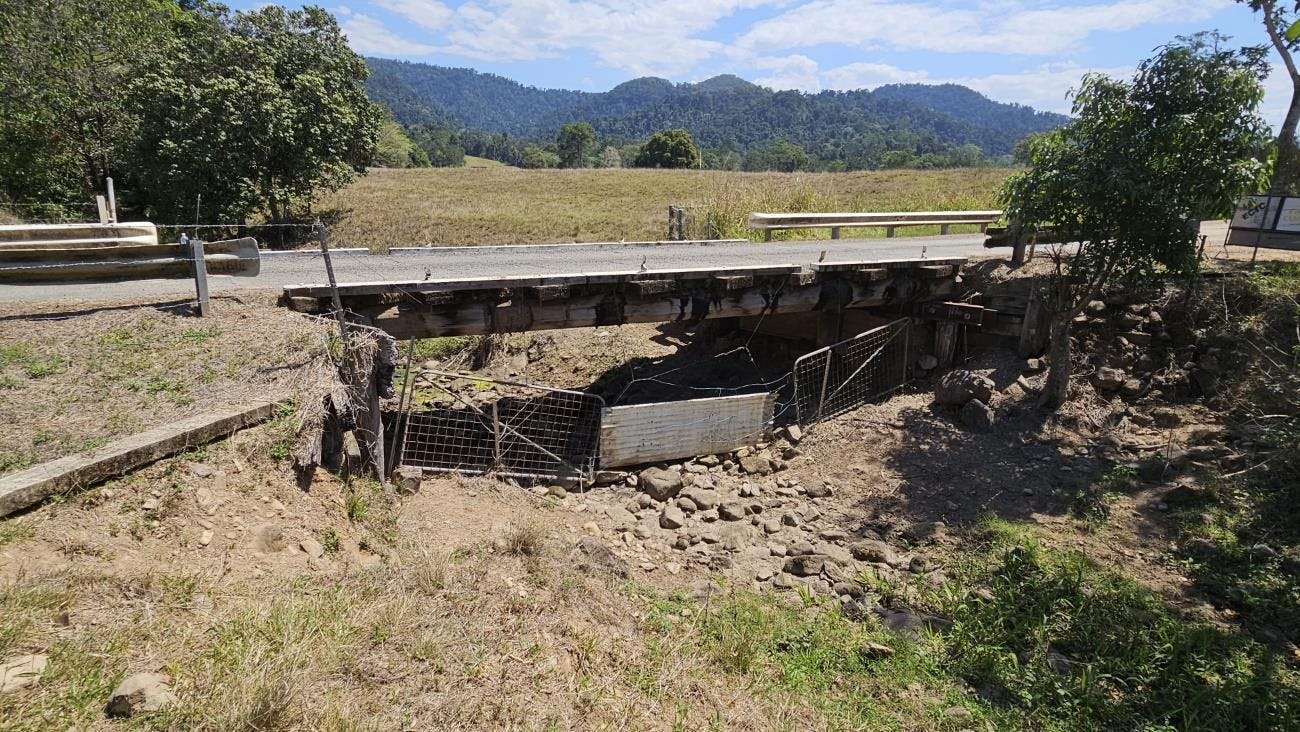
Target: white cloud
1009	27
429	14
370	37
870	76
789	72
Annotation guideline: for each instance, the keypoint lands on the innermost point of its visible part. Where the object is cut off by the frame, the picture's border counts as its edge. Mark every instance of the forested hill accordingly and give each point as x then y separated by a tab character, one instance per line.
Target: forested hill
725	112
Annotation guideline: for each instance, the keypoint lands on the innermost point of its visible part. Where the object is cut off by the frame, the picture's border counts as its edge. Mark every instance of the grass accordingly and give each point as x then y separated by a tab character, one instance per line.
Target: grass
476	206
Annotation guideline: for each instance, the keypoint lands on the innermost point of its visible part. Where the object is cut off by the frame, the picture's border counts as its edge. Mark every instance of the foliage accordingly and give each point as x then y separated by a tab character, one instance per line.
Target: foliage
1282	24
439	143
535	157
726	115
64	123
394	149
669	149
1139	161
781	156
575	143
1078	647
255	111
610	157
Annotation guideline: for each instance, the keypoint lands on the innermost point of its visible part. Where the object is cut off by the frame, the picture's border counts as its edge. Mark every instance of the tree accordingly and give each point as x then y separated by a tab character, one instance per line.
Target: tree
440	144
64	123
535	157
669	149
575	142
1283	27
610	158
1132	174
255	111
780	155
394	149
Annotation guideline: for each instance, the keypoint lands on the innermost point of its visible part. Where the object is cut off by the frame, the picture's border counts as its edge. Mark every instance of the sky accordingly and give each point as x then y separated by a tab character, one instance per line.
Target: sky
1027	51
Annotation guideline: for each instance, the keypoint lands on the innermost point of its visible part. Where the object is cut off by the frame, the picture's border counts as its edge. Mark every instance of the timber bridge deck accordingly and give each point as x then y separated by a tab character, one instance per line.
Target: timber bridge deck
475	306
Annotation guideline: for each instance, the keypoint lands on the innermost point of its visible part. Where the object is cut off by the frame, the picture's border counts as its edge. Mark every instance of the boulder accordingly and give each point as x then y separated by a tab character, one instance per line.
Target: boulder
139	693
978	416
927	362
874	551
756	465
703	498
1166	417
794	433
660	484
672	517
731	511
407	479
1108	378
819	489
805	565
960	386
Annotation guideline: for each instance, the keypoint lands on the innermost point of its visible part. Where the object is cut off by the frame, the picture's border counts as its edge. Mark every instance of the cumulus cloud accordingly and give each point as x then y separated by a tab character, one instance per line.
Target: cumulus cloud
428	14
789	72
372	38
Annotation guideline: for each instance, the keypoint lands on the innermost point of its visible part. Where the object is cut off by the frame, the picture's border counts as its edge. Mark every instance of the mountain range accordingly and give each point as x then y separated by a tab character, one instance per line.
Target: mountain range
724	113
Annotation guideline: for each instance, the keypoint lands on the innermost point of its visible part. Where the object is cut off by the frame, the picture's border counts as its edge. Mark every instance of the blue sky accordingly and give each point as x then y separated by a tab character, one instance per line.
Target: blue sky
1028	51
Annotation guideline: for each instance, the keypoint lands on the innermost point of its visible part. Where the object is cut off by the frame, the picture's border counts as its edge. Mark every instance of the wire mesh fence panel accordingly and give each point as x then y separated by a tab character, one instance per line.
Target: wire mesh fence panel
850	373
549	433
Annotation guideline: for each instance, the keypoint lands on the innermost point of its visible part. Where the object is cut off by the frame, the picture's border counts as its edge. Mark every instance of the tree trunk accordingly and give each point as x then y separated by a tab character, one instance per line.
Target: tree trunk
1057	388
1287	168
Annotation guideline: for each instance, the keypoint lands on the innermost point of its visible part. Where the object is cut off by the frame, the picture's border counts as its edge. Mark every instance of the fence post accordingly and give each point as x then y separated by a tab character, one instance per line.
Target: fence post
200	276
826	375
497	461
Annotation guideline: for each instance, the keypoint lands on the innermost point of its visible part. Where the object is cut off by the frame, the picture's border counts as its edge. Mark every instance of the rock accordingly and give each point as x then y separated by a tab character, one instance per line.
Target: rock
267	539
590	553
20	672
926	531
609	477
771	526
1166	417
927	362
909	623
1131	387
557	491
764	572
407	480
870	650
139	693
957	713
731	511
644	529
644	501
1096	307
1108	379
312	548
918	565
805	565
756	465
201	470
1186	494
794	434
672	517
687	505
205	538
620	516
819	489
978	416
660	484
799	548
1034	365
960	386
874	551
703	498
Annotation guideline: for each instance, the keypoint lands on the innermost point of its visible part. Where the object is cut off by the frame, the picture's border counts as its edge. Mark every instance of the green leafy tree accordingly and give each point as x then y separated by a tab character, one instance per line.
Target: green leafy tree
64	73
610	158
575	142
440	144
536	157
394	149
1282	23
257	111
669	149
780	155
1129	178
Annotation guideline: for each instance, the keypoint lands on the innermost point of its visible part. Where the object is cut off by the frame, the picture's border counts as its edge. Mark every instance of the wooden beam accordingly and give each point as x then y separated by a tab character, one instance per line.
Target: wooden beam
26	487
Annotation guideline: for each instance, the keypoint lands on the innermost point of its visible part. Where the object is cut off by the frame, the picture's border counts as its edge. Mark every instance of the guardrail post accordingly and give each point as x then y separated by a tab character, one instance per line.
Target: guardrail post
889	232
943	229
835	232
767	235
200	275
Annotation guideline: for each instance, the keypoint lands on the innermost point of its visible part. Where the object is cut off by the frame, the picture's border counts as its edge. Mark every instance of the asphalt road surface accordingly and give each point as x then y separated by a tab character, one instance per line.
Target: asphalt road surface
294	268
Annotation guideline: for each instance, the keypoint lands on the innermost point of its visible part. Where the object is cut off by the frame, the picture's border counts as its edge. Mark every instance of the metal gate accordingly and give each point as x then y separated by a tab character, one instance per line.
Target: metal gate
539	433
850	373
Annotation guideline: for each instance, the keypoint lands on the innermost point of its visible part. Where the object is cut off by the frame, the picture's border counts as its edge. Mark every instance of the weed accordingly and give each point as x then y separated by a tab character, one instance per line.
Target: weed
439	348
200	335
1091	505
357	505
525	539
42	367
330	541
429	572
13	461
15	530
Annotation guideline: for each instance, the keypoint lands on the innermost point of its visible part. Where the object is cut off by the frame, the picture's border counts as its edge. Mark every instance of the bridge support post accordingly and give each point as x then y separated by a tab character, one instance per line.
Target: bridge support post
945	342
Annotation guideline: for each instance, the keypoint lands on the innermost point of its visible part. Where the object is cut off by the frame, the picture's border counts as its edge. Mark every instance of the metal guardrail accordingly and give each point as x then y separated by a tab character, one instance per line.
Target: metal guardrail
100	252
769	222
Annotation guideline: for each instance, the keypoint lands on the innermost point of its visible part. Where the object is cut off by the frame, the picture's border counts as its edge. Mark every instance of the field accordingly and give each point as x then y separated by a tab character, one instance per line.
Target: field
502	205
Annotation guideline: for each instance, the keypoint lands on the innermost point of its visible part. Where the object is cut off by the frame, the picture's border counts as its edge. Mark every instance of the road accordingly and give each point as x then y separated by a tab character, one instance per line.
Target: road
293	268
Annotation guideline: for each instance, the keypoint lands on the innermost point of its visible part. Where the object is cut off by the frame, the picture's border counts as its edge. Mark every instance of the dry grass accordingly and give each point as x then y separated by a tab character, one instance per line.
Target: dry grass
476	206
73	383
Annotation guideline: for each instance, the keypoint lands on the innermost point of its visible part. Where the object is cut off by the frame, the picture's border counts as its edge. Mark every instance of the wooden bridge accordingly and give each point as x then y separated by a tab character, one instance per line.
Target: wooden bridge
448	307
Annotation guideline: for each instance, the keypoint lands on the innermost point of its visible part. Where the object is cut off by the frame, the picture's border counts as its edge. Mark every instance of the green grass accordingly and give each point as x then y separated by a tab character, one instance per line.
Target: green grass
12	530
473	162
476	206
439	348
